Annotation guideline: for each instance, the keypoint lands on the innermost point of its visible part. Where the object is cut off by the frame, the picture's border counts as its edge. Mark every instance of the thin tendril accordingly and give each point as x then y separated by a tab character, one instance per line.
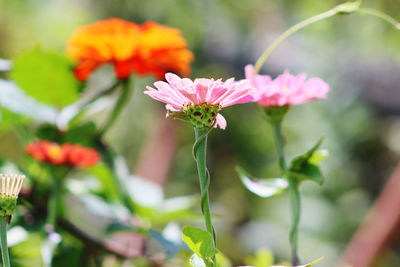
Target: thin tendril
381	15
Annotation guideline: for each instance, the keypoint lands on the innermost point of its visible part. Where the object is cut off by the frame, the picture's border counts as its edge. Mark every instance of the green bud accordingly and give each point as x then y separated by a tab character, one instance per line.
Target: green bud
348	7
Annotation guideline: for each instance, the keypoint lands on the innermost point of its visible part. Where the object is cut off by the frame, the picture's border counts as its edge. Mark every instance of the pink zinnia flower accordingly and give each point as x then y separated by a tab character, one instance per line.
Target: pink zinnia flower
200	101
286	89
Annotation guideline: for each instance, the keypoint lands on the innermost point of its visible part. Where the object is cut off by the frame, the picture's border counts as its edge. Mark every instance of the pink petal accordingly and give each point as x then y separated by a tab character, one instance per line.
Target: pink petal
221	122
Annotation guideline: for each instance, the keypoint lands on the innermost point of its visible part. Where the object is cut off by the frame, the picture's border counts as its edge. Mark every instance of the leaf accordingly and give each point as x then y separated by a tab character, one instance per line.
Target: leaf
305	166
262	187
318	156
199	241
47	76
309	172
299	161
16	101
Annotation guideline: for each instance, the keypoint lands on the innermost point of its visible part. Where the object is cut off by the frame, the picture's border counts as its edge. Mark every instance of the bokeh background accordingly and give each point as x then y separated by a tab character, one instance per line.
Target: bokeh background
358	56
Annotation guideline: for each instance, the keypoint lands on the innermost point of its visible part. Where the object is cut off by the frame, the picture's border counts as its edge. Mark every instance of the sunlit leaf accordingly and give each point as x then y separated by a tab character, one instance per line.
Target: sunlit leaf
199	241
47	76
262	187
318	156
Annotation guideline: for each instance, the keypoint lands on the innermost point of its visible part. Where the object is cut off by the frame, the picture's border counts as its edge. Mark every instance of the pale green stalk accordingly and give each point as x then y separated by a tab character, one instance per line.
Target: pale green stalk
381	15
293	190
3	236
52	208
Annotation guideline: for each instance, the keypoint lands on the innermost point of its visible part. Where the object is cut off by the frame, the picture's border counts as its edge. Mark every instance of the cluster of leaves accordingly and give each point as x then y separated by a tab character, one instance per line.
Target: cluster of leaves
304	167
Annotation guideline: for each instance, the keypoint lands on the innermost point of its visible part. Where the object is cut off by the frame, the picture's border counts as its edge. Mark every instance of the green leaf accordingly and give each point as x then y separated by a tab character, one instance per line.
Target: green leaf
199	241
299	161
262	187
47	76
309	172
305	166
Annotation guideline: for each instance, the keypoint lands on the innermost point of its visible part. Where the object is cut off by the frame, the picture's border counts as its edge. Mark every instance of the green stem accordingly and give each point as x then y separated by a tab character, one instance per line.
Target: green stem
381	15
119	105
279	142
296	211
3	236
52	208
293	191
200	152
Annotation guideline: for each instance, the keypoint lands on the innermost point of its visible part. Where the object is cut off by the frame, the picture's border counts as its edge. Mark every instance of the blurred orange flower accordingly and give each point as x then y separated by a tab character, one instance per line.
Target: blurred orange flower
161	49
70	154
147	49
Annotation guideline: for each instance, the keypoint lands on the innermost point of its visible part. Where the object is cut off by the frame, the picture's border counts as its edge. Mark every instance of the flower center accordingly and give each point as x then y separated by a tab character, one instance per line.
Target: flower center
201	116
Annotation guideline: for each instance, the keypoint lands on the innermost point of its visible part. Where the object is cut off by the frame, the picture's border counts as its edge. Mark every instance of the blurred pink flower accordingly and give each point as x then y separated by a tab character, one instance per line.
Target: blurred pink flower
286	89
200	100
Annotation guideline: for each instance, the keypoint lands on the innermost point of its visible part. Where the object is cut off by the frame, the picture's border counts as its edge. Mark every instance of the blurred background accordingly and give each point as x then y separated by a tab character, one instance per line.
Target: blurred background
358	56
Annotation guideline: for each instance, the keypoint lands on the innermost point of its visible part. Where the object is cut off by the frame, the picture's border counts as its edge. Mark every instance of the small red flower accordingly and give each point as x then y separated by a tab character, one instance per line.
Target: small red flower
43	150
81	156
70	154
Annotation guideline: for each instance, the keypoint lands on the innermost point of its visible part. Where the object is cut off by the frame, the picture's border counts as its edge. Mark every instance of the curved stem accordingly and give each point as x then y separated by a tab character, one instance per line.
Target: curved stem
381	15
119	105
3	236
200	151
346	8
289	32
296	211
